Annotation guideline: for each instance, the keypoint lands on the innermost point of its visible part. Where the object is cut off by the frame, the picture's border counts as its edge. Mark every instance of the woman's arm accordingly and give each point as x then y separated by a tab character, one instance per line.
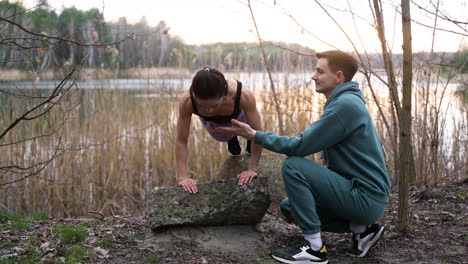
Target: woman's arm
181	145
249	106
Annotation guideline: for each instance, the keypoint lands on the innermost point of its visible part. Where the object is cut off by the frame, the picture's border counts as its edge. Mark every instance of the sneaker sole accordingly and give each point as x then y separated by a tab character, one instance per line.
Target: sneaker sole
298	261
372	243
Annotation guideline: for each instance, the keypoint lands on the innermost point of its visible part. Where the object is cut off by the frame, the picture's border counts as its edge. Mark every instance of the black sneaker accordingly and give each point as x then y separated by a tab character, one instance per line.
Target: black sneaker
300	253
248	147
366	240
234	147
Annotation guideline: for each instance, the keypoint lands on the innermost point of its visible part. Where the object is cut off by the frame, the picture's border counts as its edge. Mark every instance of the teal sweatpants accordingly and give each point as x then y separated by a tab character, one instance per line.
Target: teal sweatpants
322	200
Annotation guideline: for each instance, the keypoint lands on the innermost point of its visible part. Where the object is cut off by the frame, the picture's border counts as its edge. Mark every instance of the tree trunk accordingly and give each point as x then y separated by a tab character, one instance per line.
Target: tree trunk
392	83
387	57
71	30
89	35
162	53
406	168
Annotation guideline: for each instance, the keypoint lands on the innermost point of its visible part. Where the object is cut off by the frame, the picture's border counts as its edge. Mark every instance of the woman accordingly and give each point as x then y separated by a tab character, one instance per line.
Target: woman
216	100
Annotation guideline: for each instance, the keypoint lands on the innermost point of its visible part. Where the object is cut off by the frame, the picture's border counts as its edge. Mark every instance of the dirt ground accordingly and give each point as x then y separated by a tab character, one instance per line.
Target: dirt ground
440	235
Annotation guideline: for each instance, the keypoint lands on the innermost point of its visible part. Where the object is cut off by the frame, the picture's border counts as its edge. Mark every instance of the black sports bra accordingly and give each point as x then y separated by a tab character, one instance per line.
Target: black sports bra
221	119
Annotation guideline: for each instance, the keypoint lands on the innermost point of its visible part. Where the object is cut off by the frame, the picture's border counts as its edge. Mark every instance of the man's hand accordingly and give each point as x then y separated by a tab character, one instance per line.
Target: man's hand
246	177
239	129
189	185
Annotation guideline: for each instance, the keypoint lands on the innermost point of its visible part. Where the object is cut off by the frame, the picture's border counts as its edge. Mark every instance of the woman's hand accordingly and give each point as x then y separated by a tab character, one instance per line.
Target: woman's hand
189	185
246	177
239	129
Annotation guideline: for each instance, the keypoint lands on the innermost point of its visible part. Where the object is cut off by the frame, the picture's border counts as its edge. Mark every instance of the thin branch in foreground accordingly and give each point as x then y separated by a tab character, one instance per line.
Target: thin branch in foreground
436	28
71	41
43	165
23	95
50	99
272	85
43	135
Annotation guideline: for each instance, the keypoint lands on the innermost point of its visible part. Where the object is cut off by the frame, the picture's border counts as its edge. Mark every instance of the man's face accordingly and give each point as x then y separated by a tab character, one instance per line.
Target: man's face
325	79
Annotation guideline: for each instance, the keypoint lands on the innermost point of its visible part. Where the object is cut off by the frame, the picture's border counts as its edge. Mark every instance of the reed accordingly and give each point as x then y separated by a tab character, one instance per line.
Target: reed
119	143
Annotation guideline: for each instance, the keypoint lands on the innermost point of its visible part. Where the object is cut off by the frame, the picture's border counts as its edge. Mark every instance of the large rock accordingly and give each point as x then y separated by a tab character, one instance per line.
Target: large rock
269	166
218	202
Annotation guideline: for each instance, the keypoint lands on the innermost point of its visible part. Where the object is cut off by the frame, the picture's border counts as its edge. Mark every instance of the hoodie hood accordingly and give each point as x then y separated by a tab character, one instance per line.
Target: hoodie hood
347	87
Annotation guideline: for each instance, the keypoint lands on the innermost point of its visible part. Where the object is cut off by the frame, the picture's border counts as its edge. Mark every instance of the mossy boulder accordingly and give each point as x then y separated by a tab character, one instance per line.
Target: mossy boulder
220	202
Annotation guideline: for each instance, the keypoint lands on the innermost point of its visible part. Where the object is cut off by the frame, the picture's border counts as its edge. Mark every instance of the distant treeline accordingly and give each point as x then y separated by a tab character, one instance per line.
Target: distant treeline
147	46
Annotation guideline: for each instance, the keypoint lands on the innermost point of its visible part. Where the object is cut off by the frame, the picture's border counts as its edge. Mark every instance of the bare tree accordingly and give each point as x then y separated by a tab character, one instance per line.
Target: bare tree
406	164
58	101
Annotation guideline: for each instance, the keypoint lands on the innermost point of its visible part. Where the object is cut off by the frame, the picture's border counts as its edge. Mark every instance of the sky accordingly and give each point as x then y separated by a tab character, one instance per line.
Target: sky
292	21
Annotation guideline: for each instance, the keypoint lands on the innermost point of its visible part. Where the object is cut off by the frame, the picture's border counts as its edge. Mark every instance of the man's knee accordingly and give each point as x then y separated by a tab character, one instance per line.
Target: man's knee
294	164
291	164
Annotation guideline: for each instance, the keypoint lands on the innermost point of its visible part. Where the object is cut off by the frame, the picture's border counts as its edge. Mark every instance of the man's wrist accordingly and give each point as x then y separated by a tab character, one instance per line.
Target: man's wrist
257	137
253	133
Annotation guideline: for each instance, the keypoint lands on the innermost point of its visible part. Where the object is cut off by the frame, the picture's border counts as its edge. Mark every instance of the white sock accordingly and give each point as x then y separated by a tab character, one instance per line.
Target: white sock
315	241
357	229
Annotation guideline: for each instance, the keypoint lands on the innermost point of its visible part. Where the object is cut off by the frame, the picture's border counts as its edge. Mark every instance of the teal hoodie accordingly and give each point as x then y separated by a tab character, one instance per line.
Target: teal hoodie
347	136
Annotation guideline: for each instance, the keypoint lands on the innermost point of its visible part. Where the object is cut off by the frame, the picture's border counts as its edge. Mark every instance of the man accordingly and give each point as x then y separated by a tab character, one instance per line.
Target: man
349	194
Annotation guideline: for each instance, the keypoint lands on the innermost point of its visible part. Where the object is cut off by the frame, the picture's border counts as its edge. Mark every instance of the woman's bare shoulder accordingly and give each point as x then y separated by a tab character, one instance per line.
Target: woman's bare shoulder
247	97
185	104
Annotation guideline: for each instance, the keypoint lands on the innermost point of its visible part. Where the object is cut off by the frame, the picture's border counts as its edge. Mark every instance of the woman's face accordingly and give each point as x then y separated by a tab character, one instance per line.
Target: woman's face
209	105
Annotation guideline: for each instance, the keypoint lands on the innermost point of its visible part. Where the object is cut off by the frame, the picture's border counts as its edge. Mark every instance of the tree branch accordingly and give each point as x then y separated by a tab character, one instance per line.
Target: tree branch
50	99
71	41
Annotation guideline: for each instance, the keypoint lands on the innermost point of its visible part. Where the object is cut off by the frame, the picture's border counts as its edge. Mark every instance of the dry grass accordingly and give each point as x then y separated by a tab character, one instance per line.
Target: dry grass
95	74
119	146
